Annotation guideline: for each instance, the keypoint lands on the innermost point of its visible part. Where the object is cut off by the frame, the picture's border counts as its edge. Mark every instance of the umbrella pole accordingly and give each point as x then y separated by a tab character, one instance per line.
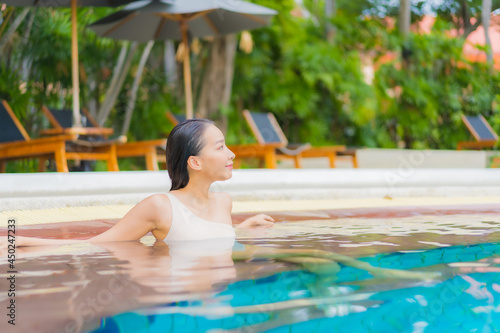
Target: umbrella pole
74	67
187	72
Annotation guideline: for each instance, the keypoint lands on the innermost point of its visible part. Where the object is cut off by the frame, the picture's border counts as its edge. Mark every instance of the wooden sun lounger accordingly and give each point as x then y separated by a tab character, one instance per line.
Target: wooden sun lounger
62	121
264	152
481	130
267	130
152	150
15	143
175	118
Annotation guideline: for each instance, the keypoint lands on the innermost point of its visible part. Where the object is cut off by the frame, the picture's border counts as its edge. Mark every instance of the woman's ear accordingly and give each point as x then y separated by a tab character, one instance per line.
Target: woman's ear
194	163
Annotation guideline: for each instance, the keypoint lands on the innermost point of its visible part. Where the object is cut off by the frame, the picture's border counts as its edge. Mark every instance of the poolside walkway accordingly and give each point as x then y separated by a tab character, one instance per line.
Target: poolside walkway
111	212
48	197
376	158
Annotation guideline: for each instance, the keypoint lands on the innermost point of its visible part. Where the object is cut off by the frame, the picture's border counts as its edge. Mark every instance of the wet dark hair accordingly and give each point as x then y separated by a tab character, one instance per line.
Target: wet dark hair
185	140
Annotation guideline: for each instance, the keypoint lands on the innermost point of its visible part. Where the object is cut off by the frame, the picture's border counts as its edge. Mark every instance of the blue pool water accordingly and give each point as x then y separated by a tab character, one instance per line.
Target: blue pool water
465	298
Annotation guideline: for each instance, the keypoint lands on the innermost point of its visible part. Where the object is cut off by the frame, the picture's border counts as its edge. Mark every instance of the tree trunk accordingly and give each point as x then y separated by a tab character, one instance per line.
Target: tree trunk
464	10
330	11
135	87
170	65
7	14
485	14
92	101
467	25
27	62
404	17
218	79
404	30
119	75
12	29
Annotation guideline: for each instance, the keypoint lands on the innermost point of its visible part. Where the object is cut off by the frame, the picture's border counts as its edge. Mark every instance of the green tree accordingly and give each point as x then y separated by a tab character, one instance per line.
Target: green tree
316	89
421	106
465	15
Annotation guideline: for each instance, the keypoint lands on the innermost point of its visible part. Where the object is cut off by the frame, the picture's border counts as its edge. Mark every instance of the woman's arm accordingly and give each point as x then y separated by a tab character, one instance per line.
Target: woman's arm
151	214
259	220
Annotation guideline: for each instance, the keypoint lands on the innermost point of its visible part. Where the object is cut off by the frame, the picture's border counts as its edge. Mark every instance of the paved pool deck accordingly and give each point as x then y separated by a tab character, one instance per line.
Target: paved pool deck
57	197
110	212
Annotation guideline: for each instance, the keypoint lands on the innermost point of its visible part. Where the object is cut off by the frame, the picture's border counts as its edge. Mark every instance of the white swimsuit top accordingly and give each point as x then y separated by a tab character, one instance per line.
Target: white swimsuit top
188	227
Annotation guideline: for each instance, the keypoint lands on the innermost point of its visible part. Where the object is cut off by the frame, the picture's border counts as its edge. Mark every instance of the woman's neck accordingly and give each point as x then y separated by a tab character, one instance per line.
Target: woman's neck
197	189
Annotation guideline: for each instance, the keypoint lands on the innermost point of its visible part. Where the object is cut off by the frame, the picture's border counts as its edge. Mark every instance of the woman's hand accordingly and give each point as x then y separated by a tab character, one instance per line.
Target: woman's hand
260	220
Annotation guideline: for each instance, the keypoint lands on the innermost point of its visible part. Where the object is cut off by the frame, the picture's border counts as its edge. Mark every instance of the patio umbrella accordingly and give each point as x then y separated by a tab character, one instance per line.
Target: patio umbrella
158	20
74	36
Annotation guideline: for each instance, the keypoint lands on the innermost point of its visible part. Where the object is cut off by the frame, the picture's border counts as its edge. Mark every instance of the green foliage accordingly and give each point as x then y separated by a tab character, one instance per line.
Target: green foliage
450	9
149	120
422	101
12	89
465	15
316	88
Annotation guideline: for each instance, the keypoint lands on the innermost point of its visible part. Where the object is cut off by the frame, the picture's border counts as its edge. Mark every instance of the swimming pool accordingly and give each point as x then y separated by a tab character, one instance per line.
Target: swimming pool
151	286
465	299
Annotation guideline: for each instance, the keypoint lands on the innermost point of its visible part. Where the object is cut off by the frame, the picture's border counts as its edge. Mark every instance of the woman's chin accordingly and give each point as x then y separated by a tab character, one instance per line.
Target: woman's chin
228	175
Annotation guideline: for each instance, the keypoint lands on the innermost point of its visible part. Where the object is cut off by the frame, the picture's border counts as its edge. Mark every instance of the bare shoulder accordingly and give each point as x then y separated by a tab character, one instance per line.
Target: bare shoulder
158	209
153	214
156	205
158	200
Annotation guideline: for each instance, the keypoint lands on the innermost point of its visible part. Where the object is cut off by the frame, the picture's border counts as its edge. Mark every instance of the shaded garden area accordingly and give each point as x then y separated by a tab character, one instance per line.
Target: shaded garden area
332	72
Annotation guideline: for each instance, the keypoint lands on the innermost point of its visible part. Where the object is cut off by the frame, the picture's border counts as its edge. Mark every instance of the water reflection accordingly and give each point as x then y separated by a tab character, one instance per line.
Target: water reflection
361	236
70	288
345	297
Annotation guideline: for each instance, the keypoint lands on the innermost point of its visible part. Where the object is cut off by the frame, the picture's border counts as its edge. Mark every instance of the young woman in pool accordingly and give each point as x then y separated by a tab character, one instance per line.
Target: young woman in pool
196	157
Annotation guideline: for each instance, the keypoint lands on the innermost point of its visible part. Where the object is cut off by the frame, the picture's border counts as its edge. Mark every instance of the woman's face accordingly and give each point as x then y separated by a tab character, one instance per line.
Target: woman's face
215	158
